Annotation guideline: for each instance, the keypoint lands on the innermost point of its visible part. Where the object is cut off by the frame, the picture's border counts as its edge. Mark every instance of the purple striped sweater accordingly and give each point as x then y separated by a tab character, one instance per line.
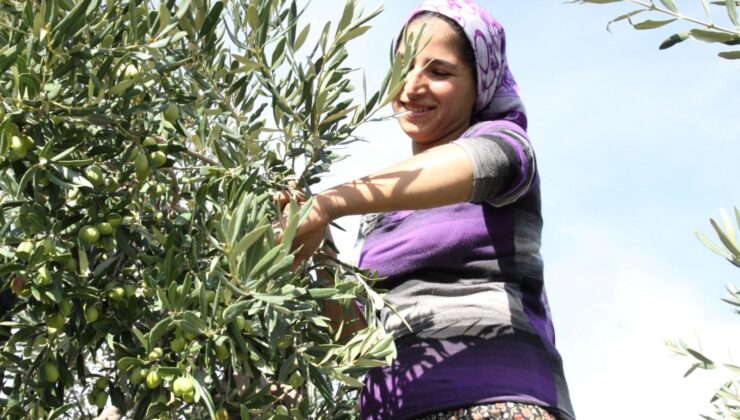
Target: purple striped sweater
468	280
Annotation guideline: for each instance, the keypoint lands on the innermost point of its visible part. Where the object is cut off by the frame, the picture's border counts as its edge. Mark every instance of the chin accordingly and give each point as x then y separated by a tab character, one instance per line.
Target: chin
417	134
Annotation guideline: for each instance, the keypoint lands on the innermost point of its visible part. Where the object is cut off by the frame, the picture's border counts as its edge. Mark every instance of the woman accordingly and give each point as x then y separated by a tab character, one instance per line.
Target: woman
456	230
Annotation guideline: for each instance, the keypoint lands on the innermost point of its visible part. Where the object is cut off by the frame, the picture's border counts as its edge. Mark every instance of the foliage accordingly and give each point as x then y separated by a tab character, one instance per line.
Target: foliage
140	145
726	400
705	30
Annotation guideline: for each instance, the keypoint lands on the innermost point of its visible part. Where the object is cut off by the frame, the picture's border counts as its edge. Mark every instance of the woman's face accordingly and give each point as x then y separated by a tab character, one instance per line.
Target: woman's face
439	93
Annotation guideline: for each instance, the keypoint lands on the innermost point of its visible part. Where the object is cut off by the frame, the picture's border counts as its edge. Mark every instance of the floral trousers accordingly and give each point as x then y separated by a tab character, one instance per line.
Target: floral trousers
495	411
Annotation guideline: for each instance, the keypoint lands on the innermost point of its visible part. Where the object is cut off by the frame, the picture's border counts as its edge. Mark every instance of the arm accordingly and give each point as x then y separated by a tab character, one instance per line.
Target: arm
439	176
493	165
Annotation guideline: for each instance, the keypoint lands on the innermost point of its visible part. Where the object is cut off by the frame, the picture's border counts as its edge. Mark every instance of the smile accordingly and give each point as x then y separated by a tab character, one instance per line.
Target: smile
415	110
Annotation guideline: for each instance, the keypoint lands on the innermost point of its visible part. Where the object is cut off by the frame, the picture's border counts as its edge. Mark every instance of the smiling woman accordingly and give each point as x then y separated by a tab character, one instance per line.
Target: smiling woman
440	90
456	232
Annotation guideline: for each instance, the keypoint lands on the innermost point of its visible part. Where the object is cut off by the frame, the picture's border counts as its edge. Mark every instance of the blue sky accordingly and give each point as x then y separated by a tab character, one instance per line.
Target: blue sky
636	148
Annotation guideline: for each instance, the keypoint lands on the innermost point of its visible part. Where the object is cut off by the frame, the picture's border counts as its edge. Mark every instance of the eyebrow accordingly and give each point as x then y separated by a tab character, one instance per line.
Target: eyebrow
436	61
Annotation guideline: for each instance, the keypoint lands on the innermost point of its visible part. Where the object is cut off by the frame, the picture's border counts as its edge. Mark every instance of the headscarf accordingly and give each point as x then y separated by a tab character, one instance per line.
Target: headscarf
498	94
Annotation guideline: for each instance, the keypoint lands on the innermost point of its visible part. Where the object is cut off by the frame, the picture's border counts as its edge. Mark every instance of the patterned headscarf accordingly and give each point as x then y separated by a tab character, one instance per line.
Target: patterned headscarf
498	93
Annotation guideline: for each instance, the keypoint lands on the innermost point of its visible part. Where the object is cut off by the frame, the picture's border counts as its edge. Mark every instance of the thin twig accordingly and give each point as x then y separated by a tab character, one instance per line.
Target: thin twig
686	18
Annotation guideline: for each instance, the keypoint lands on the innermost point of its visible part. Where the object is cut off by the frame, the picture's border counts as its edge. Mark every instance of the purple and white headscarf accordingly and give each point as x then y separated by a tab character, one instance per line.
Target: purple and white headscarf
498	93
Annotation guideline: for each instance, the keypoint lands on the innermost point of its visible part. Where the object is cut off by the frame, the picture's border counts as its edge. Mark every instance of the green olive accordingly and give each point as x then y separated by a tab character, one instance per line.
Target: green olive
131	72
50	372
90	234
172	113
95	175
65	307
296	380
137	375
116	293
183	385
240	322
153	380
158	157
177	344
105	228
222	414
101	399
24	250
91	314
101	383
55	321
18	146
70	264
222	351
43	276
114	219
156	354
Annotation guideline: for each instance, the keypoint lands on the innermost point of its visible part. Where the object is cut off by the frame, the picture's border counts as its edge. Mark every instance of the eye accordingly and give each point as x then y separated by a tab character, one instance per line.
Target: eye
439	73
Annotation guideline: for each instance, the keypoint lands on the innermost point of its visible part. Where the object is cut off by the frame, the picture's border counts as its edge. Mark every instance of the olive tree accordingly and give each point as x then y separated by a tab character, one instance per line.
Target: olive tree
702	29
141	143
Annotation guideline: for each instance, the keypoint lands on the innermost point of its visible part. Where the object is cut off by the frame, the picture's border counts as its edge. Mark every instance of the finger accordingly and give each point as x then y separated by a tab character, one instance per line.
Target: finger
281	199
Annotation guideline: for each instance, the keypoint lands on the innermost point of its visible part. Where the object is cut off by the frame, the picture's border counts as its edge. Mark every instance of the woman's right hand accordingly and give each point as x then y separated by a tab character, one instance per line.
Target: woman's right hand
312	231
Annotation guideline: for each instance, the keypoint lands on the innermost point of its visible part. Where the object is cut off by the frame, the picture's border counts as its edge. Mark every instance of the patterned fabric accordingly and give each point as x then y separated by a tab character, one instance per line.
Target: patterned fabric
498	93
496	411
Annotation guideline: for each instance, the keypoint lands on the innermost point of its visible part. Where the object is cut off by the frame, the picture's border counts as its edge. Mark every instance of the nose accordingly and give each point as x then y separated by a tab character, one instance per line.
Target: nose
414	83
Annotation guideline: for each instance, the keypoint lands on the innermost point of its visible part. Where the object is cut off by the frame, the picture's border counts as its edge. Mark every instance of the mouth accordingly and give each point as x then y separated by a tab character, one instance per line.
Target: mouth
412	110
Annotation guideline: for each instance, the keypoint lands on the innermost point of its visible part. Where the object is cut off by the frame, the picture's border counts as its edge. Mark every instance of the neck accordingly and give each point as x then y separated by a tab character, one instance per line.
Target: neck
417	148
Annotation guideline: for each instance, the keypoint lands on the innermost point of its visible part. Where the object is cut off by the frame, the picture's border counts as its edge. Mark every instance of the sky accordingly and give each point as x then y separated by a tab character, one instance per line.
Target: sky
637	148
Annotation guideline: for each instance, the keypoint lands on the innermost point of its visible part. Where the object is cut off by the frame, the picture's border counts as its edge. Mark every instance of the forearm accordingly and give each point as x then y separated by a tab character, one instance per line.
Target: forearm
440	176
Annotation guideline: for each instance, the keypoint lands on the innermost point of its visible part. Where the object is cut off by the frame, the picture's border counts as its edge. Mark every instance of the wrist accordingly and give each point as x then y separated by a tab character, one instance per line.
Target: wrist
328	205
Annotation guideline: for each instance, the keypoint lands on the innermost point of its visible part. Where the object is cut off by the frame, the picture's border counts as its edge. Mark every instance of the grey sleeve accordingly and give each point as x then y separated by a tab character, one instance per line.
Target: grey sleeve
504	166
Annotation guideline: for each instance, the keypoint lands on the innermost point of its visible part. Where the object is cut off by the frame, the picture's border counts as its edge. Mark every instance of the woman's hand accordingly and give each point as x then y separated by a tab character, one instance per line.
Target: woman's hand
312	231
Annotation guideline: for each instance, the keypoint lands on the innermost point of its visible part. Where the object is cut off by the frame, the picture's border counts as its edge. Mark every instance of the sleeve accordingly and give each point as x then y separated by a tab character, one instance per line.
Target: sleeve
503	160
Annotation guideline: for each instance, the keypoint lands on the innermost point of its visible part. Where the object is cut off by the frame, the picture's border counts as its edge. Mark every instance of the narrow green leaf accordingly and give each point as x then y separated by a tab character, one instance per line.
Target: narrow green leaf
674	39
253	18
652	24
729	229
725	239
247	241
59	411
670	5
706	9
273	299
708	363
214	16
730	55
235	309
168	40
349	381
732	12
301	38
712	246
349	10
164	15
142	339
265	262
354	33
711	36
159	329
84	265
623	17
121	87
201	392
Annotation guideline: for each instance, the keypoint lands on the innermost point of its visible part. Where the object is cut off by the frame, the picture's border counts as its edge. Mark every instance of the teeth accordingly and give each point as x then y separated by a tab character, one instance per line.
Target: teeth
412	109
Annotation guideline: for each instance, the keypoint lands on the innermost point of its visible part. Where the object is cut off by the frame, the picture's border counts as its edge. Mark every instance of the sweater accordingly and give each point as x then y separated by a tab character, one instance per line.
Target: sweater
467	278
